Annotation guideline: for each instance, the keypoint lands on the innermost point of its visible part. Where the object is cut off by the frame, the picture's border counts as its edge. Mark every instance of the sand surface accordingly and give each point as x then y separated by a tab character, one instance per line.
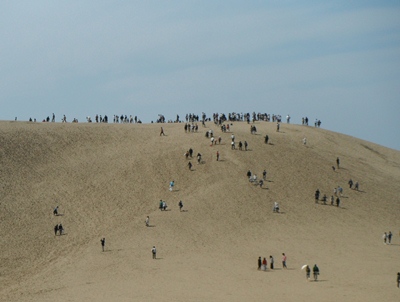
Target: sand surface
107	178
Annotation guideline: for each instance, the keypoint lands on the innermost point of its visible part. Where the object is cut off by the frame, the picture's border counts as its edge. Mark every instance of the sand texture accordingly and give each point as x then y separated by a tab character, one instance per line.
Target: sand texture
106	178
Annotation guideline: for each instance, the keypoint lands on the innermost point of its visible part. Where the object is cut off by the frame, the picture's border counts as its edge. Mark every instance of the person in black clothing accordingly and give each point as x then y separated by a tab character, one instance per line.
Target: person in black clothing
266	139
398	280
315	272
317	196
103	243
259	263
180	205
337	162
56	229
248	174
60	229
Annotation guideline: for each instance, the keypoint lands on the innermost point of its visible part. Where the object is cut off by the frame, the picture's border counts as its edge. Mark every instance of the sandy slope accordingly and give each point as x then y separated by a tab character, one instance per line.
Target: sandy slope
108	178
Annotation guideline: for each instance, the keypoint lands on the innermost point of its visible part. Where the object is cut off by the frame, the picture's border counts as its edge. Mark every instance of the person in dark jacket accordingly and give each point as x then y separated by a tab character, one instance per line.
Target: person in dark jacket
315	272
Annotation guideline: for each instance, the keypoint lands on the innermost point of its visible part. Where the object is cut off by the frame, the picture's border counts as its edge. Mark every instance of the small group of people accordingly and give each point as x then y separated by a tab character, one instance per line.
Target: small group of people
263	264
351	183
245	144
253	178
315	272
387	237
58	229
163	205
325	198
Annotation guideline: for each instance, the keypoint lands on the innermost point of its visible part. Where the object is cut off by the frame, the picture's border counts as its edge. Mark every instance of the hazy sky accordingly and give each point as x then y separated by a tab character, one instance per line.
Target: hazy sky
338	61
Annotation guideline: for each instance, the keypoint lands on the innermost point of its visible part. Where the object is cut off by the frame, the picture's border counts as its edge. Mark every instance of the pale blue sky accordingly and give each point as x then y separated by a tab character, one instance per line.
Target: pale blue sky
338	61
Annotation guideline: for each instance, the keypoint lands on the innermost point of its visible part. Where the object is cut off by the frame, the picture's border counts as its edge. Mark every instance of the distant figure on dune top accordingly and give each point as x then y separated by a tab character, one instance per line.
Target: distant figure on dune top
162	131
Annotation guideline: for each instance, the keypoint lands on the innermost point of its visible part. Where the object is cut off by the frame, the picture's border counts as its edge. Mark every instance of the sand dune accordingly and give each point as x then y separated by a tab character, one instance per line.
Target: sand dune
107	178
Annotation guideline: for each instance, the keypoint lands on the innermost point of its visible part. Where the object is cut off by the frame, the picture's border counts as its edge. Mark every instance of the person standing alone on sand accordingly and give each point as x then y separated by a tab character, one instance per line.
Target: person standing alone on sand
217	155
103	243
337	162
284	260
147	221
271	262
154	252
162	131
